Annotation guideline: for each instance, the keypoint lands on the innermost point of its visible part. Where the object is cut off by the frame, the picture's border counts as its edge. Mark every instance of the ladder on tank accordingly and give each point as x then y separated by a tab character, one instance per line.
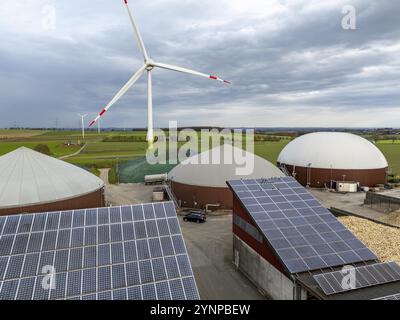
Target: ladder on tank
171	195
285	170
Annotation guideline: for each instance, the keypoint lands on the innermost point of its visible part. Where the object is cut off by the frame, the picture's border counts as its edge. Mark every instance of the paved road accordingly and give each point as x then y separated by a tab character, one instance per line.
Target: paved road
210	250
104	175
353	203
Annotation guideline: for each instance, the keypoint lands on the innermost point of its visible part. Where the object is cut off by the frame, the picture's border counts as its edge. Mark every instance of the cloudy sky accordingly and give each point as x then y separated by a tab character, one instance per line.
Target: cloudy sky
290	61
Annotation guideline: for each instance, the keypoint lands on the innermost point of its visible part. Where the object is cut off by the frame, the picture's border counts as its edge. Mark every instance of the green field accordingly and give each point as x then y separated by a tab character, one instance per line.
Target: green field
129	154
96	154
392	154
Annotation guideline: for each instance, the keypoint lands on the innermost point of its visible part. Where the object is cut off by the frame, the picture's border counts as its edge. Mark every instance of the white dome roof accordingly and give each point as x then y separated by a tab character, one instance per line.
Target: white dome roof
216	175
335	150
28	177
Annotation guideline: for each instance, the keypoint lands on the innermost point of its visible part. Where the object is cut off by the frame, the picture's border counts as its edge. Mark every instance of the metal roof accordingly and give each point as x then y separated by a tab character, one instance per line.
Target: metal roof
336	150
197	171
28	178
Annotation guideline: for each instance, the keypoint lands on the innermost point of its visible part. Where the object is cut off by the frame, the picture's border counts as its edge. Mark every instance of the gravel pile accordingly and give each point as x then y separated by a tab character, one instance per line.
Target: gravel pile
383	241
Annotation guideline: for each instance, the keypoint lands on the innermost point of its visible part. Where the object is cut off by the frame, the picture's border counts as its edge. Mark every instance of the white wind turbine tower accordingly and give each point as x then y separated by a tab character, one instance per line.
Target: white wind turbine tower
83	124
148	67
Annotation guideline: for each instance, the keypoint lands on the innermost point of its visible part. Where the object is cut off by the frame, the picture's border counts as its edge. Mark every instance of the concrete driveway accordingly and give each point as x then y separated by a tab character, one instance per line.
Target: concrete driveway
210	249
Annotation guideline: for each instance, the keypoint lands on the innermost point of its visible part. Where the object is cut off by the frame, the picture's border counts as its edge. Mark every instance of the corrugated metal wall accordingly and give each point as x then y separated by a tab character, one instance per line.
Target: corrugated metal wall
319	177
92	200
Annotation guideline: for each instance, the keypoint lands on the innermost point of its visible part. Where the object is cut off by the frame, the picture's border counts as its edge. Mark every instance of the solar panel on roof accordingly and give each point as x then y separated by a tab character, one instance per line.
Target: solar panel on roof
365	276
305	235
106	253
391	297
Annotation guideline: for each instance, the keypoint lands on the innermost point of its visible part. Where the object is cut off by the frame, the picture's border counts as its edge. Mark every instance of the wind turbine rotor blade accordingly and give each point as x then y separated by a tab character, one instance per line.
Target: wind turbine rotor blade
184	70
137	33
120	93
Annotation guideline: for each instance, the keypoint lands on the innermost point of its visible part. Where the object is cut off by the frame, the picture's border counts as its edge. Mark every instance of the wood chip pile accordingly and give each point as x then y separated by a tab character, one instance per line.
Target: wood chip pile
382	240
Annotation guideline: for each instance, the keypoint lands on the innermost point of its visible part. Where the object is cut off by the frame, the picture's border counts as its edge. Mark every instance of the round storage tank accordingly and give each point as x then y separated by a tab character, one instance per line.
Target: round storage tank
33	182
196	183
316	159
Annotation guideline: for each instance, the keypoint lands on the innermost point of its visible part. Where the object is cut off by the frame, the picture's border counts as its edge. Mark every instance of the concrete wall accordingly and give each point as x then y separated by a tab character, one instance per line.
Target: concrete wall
264	275
384	202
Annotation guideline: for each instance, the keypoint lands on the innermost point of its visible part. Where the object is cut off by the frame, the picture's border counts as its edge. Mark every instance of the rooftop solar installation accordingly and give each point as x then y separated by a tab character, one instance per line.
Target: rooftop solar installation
391	297
129	252
365	276
305	235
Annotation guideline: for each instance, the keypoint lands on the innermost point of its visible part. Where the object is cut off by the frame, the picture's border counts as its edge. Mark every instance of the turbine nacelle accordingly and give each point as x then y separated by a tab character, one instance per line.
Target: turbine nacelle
149	65
149	62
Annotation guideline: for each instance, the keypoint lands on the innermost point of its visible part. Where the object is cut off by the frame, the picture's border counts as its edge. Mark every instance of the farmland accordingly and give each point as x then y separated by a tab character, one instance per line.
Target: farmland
106	149
95	154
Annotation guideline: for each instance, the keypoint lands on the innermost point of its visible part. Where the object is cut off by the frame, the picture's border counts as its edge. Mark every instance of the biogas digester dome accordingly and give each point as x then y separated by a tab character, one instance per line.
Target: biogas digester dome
316	159
33	182
196	185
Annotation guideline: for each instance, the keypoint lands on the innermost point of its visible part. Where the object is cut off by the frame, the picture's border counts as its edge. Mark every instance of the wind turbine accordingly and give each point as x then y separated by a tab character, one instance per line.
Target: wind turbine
83	124
148	67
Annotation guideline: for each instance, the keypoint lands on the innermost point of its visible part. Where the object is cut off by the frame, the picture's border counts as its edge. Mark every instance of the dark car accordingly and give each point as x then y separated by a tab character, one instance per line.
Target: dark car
197	217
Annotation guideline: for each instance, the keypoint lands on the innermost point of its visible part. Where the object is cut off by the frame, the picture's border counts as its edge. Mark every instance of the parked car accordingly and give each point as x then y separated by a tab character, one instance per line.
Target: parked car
195	216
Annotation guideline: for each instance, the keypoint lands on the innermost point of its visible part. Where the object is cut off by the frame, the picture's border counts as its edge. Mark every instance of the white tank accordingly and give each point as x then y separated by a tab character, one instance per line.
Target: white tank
155	178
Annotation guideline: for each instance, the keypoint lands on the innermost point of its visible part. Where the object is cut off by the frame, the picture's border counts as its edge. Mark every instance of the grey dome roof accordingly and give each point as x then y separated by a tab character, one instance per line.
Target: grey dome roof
28	177
193	172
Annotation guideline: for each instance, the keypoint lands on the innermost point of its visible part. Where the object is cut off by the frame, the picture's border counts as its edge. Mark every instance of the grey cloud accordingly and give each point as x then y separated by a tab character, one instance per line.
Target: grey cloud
298	60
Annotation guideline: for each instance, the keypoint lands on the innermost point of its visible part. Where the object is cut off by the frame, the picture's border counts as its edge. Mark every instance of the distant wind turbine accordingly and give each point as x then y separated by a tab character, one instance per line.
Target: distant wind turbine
148	66
83	124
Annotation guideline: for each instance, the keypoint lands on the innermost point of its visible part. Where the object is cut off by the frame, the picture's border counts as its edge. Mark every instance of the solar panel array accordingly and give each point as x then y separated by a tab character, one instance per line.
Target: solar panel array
305	235
365	276
391	297
129	252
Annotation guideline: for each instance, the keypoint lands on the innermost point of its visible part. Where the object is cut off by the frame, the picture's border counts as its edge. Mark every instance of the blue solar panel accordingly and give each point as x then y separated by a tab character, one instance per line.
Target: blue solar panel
106	253
305	235
364	276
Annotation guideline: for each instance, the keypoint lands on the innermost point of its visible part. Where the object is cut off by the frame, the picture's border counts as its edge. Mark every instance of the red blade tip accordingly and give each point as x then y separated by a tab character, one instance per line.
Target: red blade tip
92	123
